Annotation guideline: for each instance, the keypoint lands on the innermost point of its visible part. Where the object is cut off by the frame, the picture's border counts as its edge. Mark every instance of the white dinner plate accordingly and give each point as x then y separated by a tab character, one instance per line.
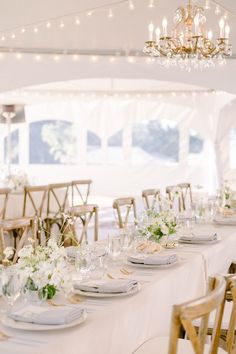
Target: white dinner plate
134	290
25	326
154	266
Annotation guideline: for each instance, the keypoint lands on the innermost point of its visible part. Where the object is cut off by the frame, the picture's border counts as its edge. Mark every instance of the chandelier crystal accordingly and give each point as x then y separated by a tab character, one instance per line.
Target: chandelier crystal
190	45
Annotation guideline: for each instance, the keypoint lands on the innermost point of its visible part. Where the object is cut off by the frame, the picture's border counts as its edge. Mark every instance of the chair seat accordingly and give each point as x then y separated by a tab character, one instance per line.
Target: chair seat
159	345
81	209
12	224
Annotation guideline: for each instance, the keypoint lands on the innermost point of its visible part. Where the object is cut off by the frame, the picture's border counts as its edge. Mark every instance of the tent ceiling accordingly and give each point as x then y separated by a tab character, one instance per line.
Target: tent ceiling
125	32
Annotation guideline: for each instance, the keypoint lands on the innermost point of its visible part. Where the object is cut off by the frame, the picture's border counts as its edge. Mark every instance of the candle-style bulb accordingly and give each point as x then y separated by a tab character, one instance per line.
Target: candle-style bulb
227	31
222	26
158	33
150	30
210	35
164	26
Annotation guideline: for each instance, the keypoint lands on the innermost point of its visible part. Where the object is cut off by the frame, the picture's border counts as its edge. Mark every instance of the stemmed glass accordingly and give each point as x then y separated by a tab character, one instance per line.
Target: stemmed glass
11	283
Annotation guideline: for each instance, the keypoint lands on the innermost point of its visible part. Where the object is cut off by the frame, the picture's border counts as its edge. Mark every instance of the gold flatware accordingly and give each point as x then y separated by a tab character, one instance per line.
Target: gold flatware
110	276
4	336
125	271
75	299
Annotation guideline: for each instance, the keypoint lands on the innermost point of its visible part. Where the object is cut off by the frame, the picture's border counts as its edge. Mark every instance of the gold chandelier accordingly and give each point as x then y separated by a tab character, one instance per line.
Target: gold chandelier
190	44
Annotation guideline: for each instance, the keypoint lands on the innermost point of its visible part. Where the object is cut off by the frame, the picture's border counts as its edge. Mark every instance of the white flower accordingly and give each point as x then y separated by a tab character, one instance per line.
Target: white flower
26	251
8	252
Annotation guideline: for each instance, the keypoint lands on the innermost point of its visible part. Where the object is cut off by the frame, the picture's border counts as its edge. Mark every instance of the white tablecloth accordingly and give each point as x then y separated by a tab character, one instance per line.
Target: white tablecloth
118	326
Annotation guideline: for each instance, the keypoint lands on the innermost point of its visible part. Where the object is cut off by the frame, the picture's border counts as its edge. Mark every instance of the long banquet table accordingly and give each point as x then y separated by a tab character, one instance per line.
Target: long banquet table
118	326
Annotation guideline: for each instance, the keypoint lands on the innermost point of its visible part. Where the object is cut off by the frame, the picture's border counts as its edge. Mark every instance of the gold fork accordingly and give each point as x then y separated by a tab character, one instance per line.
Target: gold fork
125	271
4	336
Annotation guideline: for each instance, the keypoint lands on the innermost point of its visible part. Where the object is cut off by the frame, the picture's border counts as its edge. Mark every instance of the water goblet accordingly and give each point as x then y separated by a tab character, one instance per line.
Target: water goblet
11	283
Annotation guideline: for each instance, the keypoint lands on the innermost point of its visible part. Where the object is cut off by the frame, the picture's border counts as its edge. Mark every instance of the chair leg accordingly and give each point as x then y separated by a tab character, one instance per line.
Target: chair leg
2	243
96	224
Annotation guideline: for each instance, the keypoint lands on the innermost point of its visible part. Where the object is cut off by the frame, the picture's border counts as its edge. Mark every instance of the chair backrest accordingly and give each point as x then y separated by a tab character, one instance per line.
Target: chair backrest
126	209
58	195
174	195
151	198
230	337
187	198
85	216
80	191
35	200
4	193
183	317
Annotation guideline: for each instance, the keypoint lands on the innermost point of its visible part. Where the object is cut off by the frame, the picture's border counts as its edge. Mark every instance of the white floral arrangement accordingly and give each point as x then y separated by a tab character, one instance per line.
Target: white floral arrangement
43	268
227	195
17	181
159	224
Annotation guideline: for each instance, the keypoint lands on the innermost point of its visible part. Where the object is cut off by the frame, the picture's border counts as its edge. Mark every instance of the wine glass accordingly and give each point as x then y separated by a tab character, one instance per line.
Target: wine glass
11	283
115	245
83	262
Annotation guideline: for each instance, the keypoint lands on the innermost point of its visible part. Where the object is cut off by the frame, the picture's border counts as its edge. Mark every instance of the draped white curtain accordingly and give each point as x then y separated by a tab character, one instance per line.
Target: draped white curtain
211	117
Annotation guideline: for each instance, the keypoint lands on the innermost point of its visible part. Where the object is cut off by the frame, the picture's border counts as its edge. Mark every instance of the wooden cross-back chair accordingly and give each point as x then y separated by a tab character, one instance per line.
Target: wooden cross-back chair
85	218
151	198
35	205
187	198
227	332
17	230
58	203
80	191
183	317
4	193
174	197
125	209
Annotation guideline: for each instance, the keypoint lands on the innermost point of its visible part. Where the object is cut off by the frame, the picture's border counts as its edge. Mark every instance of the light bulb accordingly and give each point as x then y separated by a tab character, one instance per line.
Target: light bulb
3	38
36	30
210	35
89	13
164	26
222	25
48	25
131	5
13	36
77	21
110	13
227	31
158	33
22	30
217	10
62	25
150	30
151	4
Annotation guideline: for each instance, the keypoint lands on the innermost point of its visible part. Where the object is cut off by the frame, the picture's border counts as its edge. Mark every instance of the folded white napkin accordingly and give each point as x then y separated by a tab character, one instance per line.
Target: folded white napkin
199	238
107	286
225	220
45	315
153	259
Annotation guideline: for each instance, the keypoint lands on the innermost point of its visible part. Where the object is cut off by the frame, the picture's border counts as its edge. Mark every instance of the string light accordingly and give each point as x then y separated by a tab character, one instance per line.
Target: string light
3	38
56	57
207	5
18	55
89	13
130	59
36	29
77	21
38	57
22	30
75	57
110	14
151	4
13	36
131	5
48	24
217	10
112	59
94	58
62	25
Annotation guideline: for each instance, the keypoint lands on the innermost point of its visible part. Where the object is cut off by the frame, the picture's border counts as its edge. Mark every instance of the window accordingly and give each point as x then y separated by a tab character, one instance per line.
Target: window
115	148
14	147
94	151
52	142
155	141
196	143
